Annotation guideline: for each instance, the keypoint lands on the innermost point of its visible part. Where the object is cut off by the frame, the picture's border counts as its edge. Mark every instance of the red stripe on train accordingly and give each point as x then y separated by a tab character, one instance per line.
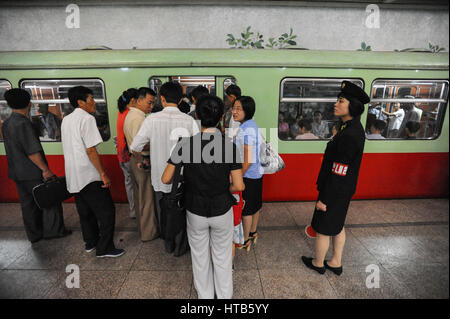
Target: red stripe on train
382	175
407	175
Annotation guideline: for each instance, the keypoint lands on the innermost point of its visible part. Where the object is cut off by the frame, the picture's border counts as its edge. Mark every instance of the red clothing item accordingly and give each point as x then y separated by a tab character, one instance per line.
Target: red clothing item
122	149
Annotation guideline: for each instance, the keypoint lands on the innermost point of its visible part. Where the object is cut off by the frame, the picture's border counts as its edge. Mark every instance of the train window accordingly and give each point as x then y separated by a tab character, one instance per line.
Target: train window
51	103
5	110
406	109
306	107
189	83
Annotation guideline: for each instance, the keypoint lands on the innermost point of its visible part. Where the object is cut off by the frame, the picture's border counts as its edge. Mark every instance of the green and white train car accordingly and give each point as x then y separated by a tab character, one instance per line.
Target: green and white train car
286	84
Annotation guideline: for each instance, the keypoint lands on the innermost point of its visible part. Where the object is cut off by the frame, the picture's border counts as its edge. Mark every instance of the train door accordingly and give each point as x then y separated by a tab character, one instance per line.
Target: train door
216	85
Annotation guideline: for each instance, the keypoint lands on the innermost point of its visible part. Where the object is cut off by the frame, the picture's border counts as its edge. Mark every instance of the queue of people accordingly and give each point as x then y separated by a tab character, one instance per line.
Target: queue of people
150	149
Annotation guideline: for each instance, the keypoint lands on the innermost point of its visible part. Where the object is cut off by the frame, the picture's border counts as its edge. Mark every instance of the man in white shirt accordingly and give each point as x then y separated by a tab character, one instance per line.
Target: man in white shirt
395	120
162	131
415	113
142	184
85	175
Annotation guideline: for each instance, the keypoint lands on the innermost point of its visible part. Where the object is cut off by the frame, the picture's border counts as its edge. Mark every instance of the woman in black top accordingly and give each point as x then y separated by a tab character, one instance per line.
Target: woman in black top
338	178
208	160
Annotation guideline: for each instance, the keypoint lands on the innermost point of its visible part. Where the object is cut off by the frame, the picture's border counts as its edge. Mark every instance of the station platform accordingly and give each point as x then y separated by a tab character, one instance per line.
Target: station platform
406	240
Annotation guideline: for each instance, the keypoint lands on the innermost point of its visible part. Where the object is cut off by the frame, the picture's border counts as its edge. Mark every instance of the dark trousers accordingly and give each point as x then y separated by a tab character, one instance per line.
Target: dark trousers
39	223
158	196
97	217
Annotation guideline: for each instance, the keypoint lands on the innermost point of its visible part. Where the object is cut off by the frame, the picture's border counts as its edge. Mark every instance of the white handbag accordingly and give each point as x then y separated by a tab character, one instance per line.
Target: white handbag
270	160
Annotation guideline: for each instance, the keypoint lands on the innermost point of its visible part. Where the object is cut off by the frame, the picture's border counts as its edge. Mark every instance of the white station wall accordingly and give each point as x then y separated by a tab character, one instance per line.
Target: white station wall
125	27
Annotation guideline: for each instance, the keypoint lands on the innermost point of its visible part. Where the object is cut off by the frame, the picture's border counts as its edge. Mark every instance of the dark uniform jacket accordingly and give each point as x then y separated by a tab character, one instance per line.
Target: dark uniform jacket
338	177
340	167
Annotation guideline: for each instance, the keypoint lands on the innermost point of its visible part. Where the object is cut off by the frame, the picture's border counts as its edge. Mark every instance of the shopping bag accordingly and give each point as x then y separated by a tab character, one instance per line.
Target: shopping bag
237	208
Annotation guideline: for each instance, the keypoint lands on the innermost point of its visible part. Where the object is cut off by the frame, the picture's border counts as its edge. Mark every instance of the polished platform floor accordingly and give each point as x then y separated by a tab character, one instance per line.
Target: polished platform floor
406	240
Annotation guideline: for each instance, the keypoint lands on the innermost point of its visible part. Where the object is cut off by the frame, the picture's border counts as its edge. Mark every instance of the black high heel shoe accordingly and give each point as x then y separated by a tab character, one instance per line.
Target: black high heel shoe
254	237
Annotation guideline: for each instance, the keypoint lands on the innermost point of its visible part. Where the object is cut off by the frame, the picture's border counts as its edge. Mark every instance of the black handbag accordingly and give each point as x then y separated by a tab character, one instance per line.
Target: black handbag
51	192
173	216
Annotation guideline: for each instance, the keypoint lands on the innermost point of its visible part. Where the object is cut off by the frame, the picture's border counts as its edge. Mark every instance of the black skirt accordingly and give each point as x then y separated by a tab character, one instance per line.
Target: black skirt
252	196
332	221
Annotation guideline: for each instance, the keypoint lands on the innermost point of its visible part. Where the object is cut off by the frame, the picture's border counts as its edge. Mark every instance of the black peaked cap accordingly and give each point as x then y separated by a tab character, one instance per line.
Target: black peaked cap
354	91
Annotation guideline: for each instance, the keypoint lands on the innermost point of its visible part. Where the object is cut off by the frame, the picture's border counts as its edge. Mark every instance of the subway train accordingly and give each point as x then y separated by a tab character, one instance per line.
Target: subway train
287	85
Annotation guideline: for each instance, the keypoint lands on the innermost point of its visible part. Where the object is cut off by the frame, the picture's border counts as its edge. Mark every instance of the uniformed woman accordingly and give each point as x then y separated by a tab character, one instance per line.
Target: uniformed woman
337	179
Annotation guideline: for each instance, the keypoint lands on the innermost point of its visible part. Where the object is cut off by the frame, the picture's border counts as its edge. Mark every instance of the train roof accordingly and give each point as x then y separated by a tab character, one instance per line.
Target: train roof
222	58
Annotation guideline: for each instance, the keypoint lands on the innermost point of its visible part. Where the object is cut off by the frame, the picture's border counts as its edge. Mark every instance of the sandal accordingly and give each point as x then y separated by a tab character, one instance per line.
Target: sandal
254	236
247	245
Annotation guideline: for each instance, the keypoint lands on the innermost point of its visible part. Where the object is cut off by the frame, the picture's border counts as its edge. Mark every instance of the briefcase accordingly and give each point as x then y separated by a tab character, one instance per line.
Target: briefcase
51	192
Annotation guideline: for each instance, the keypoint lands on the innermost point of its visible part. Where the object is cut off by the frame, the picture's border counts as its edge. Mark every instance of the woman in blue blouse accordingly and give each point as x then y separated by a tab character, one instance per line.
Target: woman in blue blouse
248	142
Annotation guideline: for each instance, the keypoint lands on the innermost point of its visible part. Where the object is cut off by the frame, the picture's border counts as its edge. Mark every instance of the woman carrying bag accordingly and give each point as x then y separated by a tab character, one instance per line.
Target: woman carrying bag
248	142
337	179
207	163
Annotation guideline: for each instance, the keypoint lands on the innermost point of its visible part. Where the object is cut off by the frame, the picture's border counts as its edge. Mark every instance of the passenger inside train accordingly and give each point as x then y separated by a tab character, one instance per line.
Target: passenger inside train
411	129
305	130
393	103
376	128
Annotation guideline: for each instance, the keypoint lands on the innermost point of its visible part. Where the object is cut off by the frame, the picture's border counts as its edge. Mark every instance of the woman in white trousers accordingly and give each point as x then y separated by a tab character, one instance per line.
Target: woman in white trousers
209	239
208	200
